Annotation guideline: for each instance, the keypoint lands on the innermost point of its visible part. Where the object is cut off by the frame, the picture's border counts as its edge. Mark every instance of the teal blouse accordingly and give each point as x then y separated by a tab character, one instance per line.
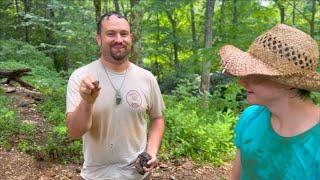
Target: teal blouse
266	155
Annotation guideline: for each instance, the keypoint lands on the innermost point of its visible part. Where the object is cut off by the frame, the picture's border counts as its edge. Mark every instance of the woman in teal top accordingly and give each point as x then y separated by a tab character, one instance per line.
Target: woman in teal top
278	137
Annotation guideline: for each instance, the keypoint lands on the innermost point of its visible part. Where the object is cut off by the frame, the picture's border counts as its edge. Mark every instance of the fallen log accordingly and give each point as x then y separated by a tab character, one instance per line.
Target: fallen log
15	75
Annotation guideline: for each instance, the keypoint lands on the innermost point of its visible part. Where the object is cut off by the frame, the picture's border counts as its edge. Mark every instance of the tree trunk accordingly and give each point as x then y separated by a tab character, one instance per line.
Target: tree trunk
205	78
157	68
67	61
15	75
294	13
282	12
136	26
314	10
235	18
17	6
175	42
116	5
193	28
49	14
27	9
105	5
221	23
97	7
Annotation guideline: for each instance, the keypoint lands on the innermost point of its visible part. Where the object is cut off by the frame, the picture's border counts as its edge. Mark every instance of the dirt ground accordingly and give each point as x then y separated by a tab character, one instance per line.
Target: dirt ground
20	166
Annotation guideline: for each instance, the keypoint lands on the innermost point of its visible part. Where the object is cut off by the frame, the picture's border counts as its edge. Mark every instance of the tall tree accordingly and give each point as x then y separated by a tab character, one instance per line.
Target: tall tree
17	6
280	5
311	21
235	18
174	35
49	33
205	78
193	28
313	14
27	9
157	69
136	26
221	21
116	5
97	7
105	6
294	12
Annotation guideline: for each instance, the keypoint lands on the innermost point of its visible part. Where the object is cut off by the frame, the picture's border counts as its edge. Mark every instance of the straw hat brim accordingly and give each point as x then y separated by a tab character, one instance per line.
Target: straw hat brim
239	63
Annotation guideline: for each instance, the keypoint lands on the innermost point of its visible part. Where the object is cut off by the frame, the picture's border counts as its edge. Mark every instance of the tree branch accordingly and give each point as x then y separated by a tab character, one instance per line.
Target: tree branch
299	11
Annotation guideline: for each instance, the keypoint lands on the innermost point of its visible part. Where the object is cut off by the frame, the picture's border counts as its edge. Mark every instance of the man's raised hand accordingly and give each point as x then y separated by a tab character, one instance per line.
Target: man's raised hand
89	89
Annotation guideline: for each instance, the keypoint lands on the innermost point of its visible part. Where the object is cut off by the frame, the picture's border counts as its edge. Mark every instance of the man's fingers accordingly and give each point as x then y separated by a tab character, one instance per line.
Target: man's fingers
152	164
139	168
85	90
88	82
96	91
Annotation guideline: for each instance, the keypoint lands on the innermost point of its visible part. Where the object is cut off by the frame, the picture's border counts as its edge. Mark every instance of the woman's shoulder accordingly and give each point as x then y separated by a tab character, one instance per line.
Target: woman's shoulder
252	114
253	111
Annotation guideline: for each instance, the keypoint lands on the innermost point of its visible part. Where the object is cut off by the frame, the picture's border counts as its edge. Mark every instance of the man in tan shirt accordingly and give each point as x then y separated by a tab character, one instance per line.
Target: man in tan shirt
106	105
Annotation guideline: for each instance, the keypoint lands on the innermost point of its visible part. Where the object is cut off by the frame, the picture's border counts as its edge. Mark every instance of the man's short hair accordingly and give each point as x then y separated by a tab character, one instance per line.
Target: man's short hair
106	16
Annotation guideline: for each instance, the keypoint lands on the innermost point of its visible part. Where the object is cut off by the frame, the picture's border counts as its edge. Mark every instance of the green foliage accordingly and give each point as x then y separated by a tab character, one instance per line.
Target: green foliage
24	146
53	87
27	129
10	126
14	50
8	123
66	39
180	83
202	135
315	96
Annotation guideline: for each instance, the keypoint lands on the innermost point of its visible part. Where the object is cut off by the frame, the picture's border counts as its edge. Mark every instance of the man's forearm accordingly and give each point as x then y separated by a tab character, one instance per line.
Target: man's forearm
155	135
80	121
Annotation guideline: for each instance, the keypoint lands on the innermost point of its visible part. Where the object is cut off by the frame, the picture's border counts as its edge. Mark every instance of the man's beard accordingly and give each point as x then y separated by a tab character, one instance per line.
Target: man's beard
120	56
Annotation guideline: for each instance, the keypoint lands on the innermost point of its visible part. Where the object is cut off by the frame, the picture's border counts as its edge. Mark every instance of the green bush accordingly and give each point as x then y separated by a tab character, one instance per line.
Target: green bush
14	50
202	135
10	126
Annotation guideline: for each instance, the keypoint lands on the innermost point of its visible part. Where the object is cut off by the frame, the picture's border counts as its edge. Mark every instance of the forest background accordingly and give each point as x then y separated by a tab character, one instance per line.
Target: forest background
177	40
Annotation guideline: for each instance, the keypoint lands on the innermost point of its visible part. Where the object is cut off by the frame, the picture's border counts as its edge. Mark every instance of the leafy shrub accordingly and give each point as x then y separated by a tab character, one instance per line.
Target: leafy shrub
24	53
201	135
10	126
315	96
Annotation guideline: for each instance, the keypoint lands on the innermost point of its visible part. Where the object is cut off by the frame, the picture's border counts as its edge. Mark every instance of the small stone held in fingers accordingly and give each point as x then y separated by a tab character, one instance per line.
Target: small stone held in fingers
95	84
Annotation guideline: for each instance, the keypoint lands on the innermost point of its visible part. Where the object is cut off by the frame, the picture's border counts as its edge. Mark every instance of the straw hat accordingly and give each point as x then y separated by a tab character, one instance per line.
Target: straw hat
286	54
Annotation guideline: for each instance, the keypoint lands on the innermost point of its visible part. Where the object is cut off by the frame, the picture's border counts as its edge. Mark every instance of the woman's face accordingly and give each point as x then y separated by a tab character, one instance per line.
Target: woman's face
260	90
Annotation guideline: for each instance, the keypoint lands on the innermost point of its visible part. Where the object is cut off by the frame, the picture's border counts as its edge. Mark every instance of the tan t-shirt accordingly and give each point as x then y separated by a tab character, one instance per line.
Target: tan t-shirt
119	132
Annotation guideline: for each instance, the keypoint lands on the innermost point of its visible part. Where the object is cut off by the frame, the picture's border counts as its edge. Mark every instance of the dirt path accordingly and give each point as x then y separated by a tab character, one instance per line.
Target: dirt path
21	166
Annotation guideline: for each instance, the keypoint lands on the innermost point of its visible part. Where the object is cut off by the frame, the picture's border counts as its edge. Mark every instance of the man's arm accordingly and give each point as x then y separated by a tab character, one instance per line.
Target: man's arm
80	120
154	141
155	136
236	168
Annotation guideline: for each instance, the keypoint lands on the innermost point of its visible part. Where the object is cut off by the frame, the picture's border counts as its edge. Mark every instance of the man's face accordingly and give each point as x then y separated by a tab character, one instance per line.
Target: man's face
115	39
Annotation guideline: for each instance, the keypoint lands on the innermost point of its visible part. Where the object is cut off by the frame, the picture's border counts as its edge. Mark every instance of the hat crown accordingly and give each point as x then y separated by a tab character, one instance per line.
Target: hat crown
287	49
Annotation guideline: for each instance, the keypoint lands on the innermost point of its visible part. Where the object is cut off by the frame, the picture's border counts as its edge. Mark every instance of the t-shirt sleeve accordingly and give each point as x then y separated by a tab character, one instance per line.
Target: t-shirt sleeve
73	96
156	105
242	123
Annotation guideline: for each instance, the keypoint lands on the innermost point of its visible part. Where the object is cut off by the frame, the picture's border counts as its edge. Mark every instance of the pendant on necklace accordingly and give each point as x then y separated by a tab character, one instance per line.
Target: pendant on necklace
118	98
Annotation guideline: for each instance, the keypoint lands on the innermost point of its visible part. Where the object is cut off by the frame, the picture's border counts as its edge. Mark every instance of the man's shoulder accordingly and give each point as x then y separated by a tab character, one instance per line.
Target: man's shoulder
142	71
85	70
